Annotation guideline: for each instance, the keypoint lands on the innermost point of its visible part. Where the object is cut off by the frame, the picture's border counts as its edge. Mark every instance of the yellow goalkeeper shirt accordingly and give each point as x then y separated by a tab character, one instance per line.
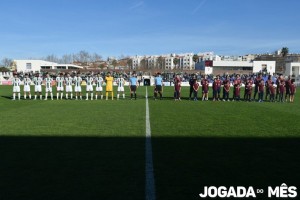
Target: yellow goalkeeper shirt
109	83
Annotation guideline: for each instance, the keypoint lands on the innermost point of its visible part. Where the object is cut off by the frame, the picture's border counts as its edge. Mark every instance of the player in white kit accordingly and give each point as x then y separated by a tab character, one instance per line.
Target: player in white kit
48	85
120	82
89	87
37	80
99	82
16	87
69	89
27	82
78	81
60	86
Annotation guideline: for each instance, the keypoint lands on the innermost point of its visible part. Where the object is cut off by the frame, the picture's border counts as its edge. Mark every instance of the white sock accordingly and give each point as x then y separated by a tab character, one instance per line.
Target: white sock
61	95
118	96
46	96
101	96
41	97
87	95
24	96
96	96
14	96
19	96
51	95
66	95
92	96
71	95
30	96
34	96
76	97
57	95
123	96
80	97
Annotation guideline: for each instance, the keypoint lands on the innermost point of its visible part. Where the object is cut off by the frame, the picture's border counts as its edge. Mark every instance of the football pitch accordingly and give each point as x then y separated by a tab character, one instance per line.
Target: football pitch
67	149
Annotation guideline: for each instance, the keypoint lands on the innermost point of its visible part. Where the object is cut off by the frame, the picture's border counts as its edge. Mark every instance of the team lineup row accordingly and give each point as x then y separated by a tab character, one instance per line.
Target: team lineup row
68	82
260	87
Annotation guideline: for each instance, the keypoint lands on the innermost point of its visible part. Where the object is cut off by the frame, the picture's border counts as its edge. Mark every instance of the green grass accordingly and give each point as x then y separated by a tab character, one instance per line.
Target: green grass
64	149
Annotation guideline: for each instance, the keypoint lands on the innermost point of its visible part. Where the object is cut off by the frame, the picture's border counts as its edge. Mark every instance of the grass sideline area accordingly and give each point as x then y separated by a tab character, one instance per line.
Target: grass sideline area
67	149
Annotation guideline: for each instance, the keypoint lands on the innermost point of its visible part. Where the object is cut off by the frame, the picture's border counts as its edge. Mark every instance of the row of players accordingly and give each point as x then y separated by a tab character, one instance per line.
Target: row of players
68	81
261	87
282	86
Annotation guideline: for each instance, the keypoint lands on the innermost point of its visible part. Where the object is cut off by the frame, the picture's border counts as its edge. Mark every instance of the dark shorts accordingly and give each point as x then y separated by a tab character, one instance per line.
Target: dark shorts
133	88
158	88
287	91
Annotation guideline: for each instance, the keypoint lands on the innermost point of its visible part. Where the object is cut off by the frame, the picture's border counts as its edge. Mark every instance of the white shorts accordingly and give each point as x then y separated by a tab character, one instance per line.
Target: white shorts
60	89
16	89
38	88
26	88
69	88
99	89
77	88
120	89
49	89
89	88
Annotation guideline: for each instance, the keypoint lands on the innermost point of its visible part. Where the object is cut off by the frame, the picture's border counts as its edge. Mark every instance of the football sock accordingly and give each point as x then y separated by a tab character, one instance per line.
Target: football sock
30	96
19	96
123	96
87	95
41	97
61	95
46	96
118	96
14	96
96	96
134	95
112	95
101	96
24	96
71	95
91	96
66	95
35	97
57	95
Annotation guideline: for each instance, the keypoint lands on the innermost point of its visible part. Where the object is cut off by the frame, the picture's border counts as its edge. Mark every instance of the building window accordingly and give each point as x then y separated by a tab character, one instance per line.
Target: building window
28	66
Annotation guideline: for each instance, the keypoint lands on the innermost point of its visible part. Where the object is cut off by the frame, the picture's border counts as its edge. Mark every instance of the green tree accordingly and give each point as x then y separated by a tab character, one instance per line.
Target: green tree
114	63
284	51
129	63
175	62
160	62
195	58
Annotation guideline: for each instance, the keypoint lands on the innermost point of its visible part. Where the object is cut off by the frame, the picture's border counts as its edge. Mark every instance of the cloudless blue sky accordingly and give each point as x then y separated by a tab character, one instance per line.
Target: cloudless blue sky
37	28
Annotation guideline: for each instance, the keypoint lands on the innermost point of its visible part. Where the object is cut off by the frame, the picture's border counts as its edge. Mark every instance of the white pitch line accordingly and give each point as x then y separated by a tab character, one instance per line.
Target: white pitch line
150	184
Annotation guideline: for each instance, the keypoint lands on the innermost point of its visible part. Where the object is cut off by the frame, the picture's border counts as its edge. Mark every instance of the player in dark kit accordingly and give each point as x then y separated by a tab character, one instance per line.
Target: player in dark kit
272	90
249	88
226	89
237	81
177	87
261	88
281	90
237	91
192	80
196	88
217	88
205	90
278	80
292	90
287	87
268	85
256	83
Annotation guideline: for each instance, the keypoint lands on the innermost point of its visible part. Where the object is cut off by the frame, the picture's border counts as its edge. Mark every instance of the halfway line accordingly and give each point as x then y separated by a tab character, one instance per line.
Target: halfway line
150	188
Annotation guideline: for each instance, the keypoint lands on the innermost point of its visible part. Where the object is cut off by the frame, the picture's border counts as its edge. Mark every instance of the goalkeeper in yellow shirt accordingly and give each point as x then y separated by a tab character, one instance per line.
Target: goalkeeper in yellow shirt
109	85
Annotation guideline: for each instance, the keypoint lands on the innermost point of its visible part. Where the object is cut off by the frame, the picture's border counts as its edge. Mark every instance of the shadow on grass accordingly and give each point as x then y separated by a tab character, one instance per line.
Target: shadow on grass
114	168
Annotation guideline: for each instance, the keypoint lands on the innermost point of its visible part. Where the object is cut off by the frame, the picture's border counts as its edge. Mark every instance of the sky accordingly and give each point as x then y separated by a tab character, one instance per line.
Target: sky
38	28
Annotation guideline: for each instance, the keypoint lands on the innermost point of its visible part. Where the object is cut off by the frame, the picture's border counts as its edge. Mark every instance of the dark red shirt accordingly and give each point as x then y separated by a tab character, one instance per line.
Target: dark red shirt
292	88
196	86
261	86
272	89
282	86
205	86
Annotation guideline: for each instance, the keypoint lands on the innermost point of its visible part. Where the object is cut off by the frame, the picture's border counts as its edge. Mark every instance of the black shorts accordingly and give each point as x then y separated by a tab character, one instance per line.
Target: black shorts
133	88
158	88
